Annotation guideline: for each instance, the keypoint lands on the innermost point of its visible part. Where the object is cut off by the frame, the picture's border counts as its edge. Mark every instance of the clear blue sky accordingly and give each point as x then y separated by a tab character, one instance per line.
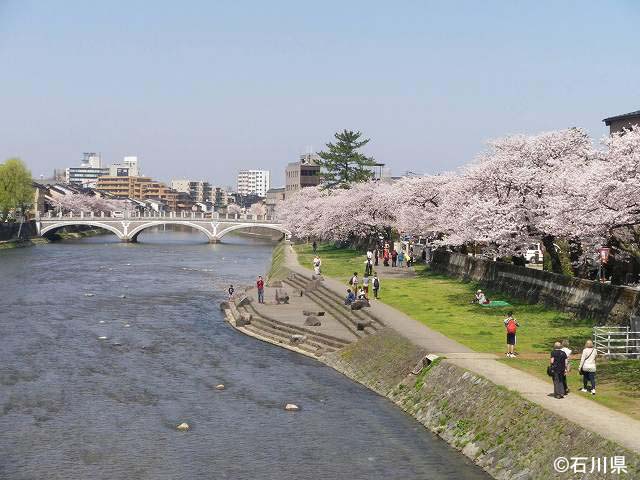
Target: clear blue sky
203	88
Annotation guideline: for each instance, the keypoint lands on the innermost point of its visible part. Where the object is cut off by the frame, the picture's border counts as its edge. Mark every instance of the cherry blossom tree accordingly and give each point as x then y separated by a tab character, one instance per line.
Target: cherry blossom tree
79	202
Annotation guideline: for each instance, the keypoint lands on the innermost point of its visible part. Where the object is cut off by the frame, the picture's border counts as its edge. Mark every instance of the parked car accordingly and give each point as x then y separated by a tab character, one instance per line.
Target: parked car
117	214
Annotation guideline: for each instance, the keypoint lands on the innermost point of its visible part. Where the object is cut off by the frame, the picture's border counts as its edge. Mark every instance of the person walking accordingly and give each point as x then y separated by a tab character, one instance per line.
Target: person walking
260	287
511	325
368	267
230	291
567	351
588	367
558	365
394	257
315	246
400	258
317	263
376	285
376	256
385	257
354	281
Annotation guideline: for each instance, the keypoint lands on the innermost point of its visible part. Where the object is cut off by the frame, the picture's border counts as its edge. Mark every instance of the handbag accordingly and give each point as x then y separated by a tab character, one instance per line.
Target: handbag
580	370
549	371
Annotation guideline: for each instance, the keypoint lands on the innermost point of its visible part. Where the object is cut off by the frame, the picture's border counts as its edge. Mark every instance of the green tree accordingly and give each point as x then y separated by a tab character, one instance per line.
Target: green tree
343	164
16	188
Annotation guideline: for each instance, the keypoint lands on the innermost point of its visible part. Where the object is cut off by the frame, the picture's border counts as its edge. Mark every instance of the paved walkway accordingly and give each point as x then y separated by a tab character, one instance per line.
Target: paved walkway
610	424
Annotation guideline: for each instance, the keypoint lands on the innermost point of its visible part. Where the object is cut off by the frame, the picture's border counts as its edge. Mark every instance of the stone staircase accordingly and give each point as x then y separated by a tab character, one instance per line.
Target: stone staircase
332	303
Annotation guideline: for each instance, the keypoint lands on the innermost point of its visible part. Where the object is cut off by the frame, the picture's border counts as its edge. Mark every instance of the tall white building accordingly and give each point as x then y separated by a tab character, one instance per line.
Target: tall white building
87	174
254	182
128	168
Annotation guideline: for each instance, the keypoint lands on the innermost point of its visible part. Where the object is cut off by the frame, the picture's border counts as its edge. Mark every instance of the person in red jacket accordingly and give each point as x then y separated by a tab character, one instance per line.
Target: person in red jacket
260	286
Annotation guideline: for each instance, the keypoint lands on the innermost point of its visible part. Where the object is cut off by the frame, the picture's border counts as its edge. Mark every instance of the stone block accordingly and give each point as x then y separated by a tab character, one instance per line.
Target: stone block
362	324
282	296
224	306
296	338
318	313
242	301
243	319
312	321
359	304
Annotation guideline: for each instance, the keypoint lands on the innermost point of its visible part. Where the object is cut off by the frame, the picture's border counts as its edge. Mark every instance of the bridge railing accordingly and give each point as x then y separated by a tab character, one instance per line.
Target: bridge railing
176	216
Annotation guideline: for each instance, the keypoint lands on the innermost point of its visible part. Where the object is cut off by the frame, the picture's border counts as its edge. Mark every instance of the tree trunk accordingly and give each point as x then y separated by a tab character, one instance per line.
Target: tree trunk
554	257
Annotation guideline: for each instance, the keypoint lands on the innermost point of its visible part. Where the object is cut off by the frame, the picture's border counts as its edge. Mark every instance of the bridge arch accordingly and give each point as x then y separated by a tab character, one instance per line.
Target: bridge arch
270	226
133	234
89	223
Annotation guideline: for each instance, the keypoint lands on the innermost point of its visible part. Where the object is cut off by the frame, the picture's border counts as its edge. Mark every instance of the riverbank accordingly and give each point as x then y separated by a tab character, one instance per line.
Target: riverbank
509	435
65	235
447	309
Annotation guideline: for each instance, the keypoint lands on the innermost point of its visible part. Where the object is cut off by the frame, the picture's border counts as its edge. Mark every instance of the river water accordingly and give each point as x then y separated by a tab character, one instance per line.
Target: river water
74	406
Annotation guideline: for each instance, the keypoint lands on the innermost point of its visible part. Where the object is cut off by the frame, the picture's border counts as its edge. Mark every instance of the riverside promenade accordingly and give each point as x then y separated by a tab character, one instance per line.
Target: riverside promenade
608	423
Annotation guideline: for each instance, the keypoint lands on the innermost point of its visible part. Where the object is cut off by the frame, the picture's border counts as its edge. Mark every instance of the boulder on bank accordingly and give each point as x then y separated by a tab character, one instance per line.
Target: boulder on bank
359	304
224	306
244	319
362	324
319	313
281	296
297	338
312	321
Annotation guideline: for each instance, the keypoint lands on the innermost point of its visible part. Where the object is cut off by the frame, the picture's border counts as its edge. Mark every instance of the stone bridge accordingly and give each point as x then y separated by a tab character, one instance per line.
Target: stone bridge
127	226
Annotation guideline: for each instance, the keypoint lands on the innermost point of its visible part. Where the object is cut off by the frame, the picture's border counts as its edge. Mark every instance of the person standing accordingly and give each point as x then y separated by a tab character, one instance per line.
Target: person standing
385	257
315	246
558	361
365	285
511	325
567	351
376	285
260	287
369	255
354	281
588	367
368	267
376	255
394	257
317	263
400	258
230	291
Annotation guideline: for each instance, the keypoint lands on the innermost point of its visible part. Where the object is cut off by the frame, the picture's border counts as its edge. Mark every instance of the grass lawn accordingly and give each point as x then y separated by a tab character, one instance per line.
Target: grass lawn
443	304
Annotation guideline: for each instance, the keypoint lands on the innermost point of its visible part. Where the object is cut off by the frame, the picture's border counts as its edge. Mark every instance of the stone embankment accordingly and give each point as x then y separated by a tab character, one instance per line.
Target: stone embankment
506	434
586	299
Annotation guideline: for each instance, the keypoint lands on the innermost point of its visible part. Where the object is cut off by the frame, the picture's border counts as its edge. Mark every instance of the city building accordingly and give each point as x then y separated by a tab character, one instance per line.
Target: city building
619	122
220	198
274	197
199	191
128	168
253	182
303	173
143	189
87	173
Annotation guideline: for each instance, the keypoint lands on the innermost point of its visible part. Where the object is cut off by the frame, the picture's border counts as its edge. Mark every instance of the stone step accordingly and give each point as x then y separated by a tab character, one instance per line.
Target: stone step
300	280
339	312
320	336
285	339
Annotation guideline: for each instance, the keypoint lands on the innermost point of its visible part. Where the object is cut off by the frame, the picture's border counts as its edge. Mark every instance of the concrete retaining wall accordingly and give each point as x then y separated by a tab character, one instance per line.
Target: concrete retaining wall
603	303
507	435
9	230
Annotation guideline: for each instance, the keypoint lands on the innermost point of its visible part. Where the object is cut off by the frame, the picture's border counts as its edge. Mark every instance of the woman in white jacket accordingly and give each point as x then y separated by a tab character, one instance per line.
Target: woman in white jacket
588	367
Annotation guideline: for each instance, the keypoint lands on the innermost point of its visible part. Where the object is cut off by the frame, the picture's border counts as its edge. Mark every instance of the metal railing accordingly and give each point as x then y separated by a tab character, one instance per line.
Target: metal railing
613	341
135	215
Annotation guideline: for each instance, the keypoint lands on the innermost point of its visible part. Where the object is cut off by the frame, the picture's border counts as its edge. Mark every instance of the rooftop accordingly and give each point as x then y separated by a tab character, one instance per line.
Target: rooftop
607	121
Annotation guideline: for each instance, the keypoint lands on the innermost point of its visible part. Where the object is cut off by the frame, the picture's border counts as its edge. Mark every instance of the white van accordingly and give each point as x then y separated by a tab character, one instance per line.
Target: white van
533	253
117	214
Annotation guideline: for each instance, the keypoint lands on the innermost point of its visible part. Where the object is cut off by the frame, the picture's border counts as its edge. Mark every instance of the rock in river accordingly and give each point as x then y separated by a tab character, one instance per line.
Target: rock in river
220	386
183	427
291	407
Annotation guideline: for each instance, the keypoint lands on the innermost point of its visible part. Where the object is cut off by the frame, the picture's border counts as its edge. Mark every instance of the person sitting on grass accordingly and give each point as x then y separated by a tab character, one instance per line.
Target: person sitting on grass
511	325
481	298
351	297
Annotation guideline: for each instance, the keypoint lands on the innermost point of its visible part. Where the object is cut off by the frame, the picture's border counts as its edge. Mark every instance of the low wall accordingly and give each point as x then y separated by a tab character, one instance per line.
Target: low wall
605	304
9	230
507	435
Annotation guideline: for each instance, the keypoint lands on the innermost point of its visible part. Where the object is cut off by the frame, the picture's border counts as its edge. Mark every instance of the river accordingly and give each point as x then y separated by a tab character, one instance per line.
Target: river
75	406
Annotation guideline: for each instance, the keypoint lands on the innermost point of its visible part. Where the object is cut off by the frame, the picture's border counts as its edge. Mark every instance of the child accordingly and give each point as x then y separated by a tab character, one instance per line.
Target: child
231	290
